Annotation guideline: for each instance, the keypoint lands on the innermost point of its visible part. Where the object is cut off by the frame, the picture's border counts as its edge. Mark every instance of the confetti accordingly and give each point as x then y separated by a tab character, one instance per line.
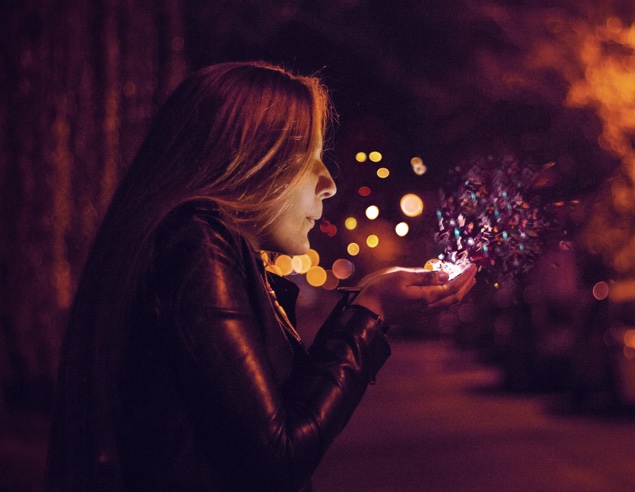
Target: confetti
492	217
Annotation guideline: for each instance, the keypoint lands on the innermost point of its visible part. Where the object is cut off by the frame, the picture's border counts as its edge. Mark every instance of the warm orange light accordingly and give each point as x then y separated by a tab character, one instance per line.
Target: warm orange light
629	338
314	256
301	263
375	156
361	157
284	263
316	276
383	172
411	205
274	269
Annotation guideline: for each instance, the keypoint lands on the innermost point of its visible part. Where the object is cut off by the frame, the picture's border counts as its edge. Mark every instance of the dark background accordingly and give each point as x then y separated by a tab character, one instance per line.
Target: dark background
80	82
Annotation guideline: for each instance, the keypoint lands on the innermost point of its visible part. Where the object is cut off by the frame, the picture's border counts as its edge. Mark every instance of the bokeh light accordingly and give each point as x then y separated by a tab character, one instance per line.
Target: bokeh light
353	249
418	166
314	256
274	269
372	212
328	228
383	172
343	269
402	229
372	241
316	276
375	156
284	263
361	157
350	223
601	291
629	338
364	191
331	281
301	263
411	205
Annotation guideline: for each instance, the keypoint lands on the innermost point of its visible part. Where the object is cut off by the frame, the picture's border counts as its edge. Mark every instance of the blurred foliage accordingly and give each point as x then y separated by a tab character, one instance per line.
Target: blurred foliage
441	80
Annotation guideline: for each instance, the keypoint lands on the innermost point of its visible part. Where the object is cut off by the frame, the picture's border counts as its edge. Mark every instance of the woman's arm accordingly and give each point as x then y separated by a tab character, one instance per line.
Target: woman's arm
273	432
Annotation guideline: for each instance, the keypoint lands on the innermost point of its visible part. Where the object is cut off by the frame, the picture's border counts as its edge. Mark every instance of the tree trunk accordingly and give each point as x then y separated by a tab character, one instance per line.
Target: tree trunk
79	84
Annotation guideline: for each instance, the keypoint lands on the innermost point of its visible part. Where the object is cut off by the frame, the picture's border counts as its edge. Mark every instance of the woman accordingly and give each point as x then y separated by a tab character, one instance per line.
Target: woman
181	368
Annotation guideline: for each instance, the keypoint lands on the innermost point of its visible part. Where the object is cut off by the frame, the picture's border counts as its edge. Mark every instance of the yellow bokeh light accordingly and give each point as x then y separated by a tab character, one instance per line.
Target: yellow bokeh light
361	157
314	256
274	269
343	269
316	276
301	263
383	172
350	223
372	212
402	229
375	156
284	263
372	241
353	249
411	205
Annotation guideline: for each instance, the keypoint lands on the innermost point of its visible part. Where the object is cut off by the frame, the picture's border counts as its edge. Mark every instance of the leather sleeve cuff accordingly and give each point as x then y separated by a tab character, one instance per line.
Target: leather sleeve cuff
362	331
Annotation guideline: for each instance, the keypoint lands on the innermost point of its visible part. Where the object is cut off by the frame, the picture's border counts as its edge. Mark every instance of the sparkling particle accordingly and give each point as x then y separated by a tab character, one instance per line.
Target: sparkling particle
485	216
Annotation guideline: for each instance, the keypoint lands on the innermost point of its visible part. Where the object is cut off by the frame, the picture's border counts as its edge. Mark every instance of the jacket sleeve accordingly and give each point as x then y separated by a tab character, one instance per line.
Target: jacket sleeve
274	432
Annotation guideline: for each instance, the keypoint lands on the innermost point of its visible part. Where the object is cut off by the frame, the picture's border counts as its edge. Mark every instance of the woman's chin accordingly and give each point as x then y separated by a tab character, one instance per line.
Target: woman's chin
298	249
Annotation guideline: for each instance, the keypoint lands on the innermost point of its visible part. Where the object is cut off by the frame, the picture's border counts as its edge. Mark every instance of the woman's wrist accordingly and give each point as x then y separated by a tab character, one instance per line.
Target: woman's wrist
369	303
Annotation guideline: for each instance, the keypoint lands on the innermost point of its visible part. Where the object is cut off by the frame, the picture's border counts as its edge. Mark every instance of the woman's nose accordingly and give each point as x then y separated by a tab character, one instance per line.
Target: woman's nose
326	186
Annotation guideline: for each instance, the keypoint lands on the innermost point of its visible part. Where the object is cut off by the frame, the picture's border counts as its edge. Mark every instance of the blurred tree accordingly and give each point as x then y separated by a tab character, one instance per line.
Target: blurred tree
79	83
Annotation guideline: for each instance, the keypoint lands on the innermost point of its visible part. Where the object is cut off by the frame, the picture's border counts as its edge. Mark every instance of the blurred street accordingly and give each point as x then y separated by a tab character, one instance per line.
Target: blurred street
435	421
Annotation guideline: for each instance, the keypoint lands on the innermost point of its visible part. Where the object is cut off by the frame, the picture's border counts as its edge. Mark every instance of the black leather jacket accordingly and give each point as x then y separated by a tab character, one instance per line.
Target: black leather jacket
217	395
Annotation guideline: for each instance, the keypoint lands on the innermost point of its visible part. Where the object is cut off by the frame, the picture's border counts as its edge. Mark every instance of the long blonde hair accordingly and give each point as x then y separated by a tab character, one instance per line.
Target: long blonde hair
239	134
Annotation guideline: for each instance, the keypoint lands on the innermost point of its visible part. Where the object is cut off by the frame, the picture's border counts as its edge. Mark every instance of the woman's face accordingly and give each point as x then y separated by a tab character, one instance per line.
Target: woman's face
289	233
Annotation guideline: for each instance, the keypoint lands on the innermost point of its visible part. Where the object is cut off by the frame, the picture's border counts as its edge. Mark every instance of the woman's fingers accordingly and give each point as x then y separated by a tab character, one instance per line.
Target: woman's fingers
399	294
433	291
454	298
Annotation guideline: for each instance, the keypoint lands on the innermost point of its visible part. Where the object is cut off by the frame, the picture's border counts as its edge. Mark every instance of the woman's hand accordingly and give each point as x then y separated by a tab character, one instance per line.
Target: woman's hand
403	295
